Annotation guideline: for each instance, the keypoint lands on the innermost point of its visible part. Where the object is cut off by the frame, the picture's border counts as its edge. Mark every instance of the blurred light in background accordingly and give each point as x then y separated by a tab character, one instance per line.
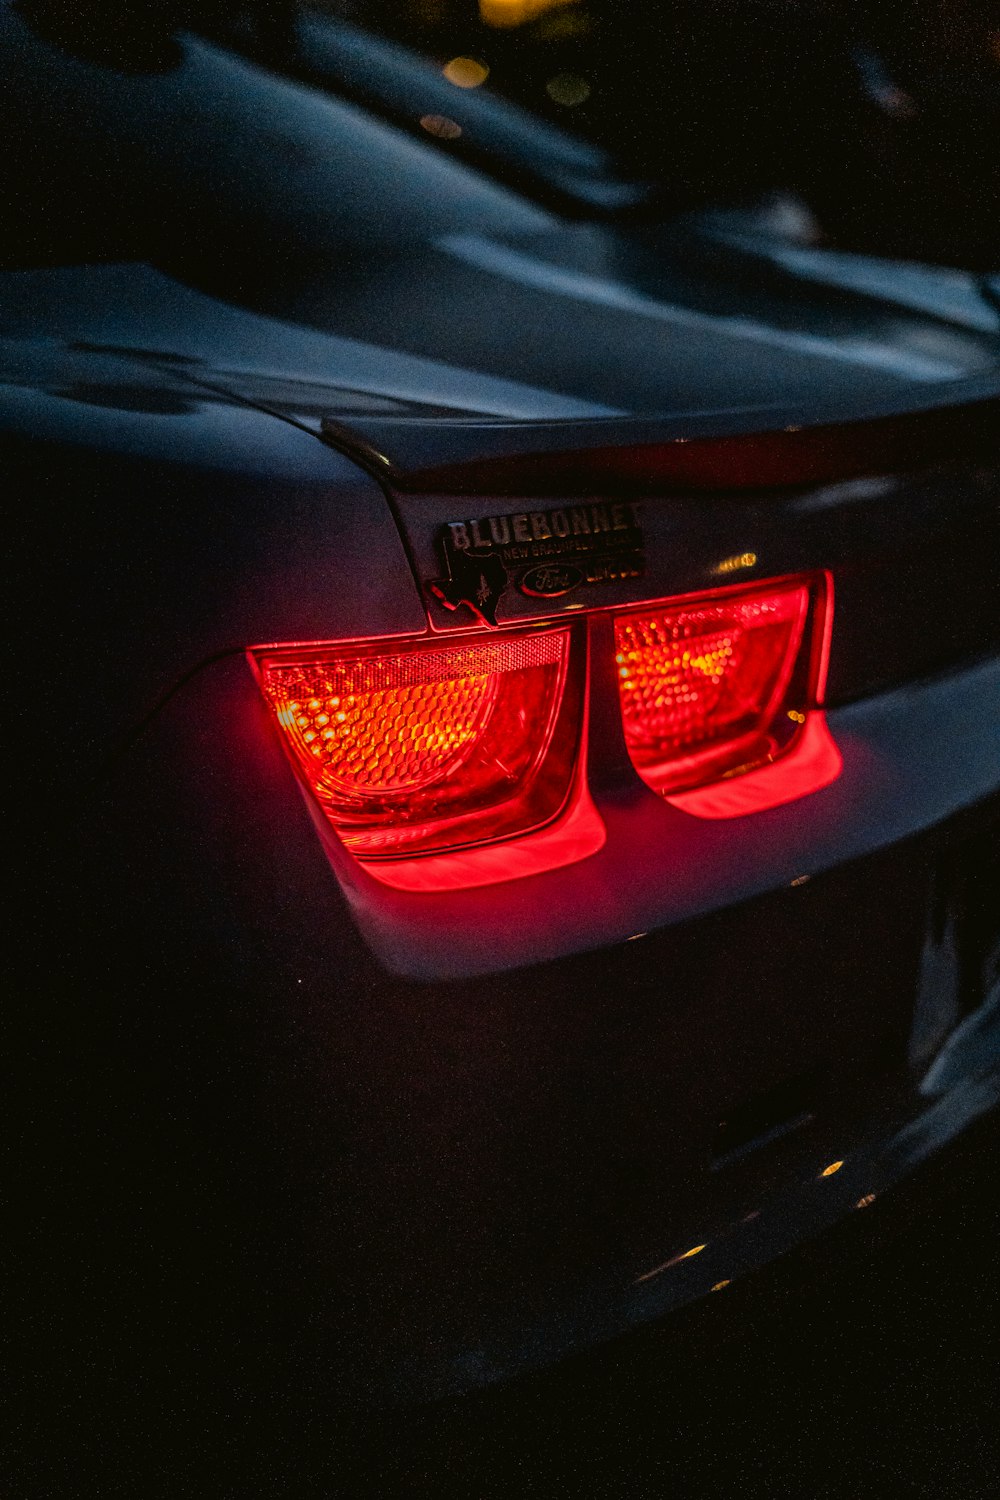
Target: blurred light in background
734	564
516	12
465	72
568	89
441	126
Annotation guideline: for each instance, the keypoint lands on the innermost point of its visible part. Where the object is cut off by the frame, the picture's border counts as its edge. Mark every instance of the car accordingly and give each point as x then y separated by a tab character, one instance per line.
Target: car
506	687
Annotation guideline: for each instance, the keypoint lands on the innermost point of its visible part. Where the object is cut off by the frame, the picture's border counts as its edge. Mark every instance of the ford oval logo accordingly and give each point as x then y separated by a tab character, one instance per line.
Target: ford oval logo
549	580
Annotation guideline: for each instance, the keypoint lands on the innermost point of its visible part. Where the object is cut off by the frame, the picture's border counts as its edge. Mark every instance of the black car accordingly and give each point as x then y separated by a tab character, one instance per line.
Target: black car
507	715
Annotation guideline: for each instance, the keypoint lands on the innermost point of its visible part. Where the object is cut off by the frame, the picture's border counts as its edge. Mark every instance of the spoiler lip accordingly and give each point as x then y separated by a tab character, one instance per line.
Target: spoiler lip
732	449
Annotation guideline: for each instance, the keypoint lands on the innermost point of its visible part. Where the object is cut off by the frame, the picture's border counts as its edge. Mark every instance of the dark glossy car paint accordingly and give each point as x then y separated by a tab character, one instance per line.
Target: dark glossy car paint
422	1140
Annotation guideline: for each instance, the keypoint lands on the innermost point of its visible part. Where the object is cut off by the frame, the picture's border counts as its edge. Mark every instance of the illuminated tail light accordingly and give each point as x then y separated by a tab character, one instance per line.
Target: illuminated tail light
431	747
717	686
442	747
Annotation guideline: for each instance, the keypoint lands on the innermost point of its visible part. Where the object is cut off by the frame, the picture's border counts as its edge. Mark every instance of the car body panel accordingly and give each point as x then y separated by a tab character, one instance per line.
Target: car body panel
138	310
641	323
158	525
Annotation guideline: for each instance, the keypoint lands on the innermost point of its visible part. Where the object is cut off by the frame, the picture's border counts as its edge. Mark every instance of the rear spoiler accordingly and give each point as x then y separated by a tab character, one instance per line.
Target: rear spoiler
750	448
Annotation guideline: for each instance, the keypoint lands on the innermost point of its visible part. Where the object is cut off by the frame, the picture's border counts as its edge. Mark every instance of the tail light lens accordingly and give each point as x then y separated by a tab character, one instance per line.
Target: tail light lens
431	747
439	747
714	687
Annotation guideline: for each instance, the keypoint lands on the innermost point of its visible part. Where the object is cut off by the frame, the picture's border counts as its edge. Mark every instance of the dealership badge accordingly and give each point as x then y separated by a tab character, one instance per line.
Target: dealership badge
548	553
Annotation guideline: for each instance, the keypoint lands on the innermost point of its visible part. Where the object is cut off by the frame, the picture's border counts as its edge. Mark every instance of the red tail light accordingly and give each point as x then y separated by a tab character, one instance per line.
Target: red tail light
716	686
435	746
441	747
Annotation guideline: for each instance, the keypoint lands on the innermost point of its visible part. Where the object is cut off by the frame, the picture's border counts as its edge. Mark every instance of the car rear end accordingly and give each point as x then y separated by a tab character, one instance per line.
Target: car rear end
745	983
495	876
426	1114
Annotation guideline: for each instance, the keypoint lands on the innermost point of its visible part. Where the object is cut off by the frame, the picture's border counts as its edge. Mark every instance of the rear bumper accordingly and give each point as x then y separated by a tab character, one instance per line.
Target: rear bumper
442	1182
797	1212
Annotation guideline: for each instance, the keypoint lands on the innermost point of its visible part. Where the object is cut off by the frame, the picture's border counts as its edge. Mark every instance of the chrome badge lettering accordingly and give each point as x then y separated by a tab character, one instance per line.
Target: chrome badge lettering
548	553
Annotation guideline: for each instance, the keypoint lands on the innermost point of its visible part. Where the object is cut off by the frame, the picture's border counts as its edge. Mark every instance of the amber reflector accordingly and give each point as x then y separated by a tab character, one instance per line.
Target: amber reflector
422	749
709	687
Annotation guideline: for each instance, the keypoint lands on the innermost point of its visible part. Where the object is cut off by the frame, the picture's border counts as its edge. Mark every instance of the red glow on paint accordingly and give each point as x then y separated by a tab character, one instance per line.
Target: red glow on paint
812	763
577	833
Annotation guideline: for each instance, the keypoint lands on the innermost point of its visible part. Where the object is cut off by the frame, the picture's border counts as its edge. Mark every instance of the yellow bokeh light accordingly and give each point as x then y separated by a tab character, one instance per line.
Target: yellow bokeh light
734	564
466	72
517	12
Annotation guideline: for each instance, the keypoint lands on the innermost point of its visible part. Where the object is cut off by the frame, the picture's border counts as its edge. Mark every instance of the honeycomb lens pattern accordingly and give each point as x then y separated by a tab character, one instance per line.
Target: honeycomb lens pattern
387	742
694	677
368	741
